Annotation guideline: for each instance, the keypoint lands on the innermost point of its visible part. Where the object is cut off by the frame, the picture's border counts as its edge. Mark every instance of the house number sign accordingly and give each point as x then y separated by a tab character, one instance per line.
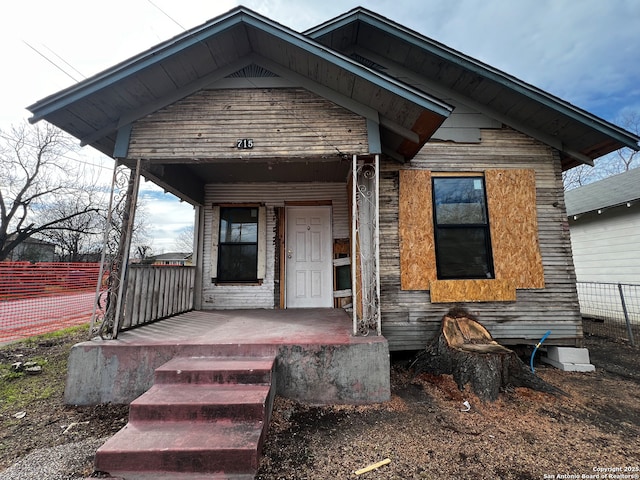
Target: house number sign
244	143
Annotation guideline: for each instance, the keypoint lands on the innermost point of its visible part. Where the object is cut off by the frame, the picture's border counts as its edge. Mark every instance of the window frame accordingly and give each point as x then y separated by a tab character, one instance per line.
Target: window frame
221	244
439	227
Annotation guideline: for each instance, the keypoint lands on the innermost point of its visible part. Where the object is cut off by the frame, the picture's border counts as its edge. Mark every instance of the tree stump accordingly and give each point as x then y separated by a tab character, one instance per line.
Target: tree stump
465	349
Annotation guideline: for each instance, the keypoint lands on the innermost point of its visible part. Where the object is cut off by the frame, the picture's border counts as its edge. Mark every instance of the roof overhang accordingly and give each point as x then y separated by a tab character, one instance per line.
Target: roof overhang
96	109
579	136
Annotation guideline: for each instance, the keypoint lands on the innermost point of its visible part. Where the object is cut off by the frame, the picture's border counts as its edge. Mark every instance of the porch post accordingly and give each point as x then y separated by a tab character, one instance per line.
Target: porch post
125	244
365	248
354	240
198	255
376	242
115	254
105	242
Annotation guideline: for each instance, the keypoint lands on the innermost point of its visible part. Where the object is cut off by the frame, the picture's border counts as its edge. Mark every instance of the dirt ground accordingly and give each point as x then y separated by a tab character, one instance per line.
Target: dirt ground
592	433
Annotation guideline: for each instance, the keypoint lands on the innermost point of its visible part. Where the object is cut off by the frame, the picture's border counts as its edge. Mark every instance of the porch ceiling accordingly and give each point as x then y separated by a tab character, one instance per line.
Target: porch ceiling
96	109
187	180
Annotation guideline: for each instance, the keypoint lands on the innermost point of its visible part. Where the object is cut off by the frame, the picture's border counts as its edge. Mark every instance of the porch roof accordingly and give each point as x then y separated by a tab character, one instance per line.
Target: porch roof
580	136
100	108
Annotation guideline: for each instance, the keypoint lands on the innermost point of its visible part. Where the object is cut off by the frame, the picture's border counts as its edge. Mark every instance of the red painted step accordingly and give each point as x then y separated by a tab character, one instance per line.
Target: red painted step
203	418
200	403
182	447
216	370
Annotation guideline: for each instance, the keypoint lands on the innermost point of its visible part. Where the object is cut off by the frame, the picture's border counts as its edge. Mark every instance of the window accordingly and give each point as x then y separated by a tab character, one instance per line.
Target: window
462	239
238	245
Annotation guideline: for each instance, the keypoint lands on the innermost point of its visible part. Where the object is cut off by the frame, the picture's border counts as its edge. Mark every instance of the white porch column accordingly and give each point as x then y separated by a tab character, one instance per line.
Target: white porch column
365	249
117	246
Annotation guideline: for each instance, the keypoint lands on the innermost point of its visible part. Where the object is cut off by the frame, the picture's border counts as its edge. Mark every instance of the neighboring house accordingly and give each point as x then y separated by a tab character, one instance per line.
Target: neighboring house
357	142
33	250
604	219
172	258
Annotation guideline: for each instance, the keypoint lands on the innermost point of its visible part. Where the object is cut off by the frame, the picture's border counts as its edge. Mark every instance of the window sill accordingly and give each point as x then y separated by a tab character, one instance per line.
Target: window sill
230	283
445	291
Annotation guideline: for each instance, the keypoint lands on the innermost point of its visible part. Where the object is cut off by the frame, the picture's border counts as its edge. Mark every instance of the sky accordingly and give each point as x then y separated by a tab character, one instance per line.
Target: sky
586	52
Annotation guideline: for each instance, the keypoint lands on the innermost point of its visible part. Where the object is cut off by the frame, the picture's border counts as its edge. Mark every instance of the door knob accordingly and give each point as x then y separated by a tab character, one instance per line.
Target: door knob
289	254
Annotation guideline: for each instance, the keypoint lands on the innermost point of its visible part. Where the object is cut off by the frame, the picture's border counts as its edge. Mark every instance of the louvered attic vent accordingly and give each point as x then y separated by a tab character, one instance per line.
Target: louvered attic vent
252	71
367	63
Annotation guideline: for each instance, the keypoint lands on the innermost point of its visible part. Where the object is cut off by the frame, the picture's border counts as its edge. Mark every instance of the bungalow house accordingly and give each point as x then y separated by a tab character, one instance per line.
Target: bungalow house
433	178
358	165
171	258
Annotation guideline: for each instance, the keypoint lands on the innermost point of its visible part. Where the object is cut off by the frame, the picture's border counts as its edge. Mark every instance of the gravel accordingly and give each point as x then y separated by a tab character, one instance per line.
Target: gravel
54	463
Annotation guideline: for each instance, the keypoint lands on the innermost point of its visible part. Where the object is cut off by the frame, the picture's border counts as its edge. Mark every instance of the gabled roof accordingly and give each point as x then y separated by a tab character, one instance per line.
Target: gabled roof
611	192
577	134
95	109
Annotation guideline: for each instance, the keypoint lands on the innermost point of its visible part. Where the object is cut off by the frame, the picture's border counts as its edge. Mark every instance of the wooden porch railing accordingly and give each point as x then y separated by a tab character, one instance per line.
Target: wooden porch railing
155	292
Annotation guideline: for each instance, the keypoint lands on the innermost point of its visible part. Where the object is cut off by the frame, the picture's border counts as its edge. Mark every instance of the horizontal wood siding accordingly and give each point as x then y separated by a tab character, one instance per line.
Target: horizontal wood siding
606	247
409	318
287	122
272	195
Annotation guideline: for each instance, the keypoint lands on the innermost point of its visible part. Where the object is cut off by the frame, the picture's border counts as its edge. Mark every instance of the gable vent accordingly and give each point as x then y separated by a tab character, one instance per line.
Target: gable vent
367	63
252	71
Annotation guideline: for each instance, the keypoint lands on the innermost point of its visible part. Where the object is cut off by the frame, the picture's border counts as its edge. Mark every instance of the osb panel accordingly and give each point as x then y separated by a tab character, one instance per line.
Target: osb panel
415	229
511	200
446	291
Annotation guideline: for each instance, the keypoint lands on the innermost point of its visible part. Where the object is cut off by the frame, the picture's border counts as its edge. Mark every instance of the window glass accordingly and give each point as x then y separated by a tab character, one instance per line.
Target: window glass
459	201
238	245
463	244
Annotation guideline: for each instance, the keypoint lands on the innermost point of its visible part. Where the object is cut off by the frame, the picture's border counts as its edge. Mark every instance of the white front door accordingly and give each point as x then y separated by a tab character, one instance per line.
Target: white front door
309	265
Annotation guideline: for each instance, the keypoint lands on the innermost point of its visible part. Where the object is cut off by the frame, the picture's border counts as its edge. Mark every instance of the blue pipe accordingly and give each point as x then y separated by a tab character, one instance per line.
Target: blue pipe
544	337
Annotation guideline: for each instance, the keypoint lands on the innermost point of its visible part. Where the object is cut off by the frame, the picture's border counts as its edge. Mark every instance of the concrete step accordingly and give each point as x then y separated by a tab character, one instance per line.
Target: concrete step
200	370
203	418
201	403
177	448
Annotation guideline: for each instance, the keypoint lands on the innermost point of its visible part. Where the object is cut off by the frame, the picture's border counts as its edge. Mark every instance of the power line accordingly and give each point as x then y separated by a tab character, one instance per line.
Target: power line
167	15
66	63
50	61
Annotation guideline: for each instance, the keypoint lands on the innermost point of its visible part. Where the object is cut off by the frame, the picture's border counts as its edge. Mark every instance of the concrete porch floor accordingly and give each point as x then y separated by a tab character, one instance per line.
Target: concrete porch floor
319	360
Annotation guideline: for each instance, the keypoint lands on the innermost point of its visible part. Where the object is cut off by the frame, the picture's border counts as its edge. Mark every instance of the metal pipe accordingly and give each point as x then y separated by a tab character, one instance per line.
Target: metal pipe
626	316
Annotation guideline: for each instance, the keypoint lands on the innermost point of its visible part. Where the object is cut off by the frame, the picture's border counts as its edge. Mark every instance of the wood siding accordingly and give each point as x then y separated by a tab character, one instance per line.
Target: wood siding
289	122
272	195
409	318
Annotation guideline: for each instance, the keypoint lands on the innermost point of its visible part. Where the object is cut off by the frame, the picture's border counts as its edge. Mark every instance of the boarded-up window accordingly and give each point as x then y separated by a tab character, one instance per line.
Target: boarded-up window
511	199
417	252
511	203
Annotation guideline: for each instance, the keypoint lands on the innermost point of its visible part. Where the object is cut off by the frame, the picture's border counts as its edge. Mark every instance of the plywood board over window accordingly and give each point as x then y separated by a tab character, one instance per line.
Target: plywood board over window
511	200
417	252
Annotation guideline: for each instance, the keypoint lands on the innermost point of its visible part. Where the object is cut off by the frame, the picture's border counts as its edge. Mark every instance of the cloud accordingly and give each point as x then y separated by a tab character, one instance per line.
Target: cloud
583	51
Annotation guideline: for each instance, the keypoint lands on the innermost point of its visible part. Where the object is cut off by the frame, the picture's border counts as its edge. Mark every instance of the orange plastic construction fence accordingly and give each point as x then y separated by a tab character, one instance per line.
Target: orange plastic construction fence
43	297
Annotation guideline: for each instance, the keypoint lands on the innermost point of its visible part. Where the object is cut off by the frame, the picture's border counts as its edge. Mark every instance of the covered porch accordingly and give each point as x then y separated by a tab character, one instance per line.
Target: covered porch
319	360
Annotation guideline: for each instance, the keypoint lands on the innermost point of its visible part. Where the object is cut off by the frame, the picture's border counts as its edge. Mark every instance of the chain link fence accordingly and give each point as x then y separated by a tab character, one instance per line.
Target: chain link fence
610	310
44	297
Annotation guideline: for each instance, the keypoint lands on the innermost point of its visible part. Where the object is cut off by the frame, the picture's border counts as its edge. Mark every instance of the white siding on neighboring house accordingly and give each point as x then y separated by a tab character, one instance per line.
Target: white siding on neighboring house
606	247
271	195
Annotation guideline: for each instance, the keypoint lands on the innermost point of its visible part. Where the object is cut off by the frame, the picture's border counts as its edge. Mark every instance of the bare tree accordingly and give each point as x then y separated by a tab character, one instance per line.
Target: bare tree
184	240
35	174
617	162
77	236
